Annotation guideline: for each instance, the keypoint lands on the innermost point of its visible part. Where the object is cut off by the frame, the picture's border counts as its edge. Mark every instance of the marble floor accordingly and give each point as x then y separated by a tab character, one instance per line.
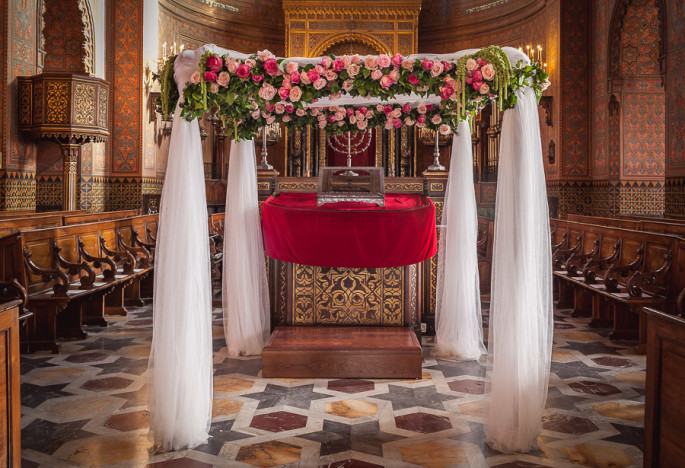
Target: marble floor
87	407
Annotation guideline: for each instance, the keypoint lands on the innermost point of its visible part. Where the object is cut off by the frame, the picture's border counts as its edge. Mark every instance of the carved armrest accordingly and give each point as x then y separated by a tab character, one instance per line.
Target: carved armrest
144	261
150	237
13	289
680	303
149	246
99	262
564	242
86	280
60	288
640	280
615	271
602	263
561	255
576	259
127	259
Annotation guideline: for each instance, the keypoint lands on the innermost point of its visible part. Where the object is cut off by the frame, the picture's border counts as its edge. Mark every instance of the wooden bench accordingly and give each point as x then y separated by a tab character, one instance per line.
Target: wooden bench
80	218
486	235
615	273
33	214
73	275
11	225
644	224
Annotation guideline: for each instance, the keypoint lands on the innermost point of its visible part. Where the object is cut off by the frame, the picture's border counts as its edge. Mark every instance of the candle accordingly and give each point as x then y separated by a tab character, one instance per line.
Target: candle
164	53
182	47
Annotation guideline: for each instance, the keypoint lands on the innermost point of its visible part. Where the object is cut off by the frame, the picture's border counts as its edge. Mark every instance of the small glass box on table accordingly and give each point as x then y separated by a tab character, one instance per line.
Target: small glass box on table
350	184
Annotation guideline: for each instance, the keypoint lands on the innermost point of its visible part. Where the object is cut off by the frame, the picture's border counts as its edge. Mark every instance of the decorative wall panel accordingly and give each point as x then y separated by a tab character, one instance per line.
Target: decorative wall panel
643	136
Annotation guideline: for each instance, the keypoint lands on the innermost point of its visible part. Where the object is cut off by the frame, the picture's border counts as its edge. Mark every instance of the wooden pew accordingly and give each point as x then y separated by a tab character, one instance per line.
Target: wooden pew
11	225
665	390
614	222
80	218
642	224
486	235
671	219
617	271
15	214
33	214
69	271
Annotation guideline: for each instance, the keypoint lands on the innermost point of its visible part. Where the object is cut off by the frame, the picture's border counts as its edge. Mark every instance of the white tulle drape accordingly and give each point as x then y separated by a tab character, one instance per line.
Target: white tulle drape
521	320
245	289
458	322
180	365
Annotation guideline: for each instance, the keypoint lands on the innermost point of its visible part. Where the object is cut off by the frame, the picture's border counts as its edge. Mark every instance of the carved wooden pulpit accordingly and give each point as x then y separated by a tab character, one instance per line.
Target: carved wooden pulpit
67	108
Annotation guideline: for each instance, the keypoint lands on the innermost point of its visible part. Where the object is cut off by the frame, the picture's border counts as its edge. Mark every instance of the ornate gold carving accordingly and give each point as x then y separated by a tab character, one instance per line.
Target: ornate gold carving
366	11
103	106
84	104
283	292
297	186
434	260
58	99
348	295
37	103
262	186
413	293
404	187
379	146
404	151
322	148
437	187
487	6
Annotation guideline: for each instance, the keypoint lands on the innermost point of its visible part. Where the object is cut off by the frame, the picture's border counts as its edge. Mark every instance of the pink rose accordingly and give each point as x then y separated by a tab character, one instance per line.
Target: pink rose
341	123
394	74
318	69
250	63
412	79
210	76
322	124
471	64
270	107
437	69
421	108
484	88
362	124
476	85
386	82
477	75
231	64
387	110
436	119
370	62
376	75
265	54
488	72
271	119
298	112
334	96
295	93
289	108
380	108
295	78
283	92
286	118
243	71
396	113
326	62
384	61
446	92
255	114
407	64
320	83
469	81
481	63
223	79
447	66
338	65
362	110
429	107
406	108
346	60
397	60
271	66
388	124
356	59
257	78
350	111
291	67
347	85
267	92
214	63
313	75
330	75
195	77
352	119
397	123
353	70
444	129
304	78
340	114
427	64
331	118
280	108
409	121
421	119
213	88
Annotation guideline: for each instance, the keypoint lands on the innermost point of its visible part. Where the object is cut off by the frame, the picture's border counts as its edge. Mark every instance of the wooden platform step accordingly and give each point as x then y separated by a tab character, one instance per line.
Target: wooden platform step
342	352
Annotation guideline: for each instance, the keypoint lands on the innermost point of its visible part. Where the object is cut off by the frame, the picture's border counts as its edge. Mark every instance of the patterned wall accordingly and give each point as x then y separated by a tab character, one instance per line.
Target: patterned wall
64	40
675	107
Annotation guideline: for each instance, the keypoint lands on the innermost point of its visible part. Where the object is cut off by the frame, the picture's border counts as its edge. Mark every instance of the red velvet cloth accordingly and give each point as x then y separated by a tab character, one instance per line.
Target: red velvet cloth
349	234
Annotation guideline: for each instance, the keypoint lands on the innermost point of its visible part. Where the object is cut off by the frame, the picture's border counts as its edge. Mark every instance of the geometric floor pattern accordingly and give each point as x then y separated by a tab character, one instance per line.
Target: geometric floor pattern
87	407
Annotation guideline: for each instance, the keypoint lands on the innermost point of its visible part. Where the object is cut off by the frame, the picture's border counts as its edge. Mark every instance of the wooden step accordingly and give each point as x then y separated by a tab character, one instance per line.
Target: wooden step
342	352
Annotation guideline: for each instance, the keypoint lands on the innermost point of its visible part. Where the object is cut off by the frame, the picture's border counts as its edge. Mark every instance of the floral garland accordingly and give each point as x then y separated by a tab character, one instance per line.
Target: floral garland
247	94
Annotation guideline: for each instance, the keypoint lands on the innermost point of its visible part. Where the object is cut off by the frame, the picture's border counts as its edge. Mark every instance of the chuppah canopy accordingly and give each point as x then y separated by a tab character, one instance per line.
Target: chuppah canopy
351	93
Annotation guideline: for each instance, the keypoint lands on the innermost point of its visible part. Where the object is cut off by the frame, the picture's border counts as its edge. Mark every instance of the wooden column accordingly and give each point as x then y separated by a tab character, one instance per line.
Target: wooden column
70	179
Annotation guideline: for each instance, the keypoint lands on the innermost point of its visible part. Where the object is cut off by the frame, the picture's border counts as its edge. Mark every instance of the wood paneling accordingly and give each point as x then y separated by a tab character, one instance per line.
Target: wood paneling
10	413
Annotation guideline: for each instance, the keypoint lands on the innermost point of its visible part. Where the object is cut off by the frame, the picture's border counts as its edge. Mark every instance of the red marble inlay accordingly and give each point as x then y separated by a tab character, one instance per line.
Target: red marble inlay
594	388
350	385
568	424
423	422
279	421
108	383
476	387
129	421
613	362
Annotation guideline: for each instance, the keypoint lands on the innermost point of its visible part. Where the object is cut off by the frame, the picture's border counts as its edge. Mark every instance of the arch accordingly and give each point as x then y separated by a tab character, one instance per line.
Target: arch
366	39
88	32
616	29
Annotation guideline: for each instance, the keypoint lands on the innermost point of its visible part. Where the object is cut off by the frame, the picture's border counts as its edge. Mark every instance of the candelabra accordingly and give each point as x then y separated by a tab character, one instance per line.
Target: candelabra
433	138
268	135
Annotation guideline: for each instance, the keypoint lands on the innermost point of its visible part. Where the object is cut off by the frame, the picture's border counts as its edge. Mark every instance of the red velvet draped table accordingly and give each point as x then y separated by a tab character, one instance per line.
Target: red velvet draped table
349	234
